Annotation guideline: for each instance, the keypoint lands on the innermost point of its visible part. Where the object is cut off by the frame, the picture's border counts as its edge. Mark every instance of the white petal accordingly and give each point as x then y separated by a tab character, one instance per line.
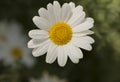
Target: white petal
51	15
41	50
72	5
72	53
79	8
78	52
85	46
35	43
86	39
77	17
51	54
57	10
43	13
38	34
66	12
62	57
83	43
41	22
83	33
87	24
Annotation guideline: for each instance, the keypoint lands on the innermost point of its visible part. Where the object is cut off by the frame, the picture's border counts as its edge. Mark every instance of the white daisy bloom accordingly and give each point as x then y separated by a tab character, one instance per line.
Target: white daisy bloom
48	78
62	31
14	46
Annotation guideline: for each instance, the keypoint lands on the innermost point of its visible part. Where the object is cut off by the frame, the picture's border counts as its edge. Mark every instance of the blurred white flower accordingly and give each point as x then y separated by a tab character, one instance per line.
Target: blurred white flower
14	46
48	78
62	31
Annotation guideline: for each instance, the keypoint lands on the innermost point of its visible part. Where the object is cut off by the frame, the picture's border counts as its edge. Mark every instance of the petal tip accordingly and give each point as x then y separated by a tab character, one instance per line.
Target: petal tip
34	54
29	44
61	65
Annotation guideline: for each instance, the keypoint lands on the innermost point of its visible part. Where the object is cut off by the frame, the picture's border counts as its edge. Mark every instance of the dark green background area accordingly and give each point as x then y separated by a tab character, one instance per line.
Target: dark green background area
102	64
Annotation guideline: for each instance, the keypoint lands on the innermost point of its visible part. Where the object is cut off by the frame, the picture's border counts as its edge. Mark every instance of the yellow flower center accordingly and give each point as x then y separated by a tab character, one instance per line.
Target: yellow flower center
16	52
60	33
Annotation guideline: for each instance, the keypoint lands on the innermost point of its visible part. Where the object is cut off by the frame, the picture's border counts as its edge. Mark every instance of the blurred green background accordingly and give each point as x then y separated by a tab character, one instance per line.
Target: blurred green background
102	64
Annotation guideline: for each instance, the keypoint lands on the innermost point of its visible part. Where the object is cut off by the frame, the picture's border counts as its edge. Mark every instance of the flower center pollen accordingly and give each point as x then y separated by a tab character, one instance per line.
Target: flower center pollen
16	52
60	33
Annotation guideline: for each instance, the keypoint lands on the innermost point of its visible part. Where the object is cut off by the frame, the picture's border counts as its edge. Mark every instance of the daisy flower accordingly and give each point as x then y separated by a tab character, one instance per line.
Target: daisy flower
47	78
63	30
14	46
